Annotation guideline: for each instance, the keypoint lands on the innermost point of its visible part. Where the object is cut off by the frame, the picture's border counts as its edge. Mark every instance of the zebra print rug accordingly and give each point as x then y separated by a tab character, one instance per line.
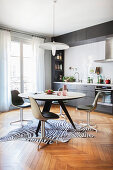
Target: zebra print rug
55	129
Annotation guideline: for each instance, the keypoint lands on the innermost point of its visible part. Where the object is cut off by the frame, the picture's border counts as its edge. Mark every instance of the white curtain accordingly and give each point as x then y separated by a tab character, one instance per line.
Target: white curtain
5	97
38	65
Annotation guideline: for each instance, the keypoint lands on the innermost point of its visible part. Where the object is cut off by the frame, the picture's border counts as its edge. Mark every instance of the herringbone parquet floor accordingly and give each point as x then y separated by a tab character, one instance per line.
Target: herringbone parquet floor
77	154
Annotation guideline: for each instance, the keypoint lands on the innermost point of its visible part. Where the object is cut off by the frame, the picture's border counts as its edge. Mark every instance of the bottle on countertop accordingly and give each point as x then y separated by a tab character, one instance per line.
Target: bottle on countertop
91	80
88	80
100	79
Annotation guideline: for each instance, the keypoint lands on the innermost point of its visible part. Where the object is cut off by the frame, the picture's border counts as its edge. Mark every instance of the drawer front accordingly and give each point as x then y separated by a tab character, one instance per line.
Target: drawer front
85	101
72	102
87	93
72	90
81	101
71	86
88	87
79	87
104	109
84	87
89	90
90	94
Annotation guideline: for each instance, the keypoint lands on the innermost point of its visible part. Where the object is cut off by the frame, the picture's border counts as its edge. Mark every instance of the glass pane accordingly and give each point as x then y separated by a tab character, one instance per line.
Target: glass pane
27	50
15	48
27	67
15	73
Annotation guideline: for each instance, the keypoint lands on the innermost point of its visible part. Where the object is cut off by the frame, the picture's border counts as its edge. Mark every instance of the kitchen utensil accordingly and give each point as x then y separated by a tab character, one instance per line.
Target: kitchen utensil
107	81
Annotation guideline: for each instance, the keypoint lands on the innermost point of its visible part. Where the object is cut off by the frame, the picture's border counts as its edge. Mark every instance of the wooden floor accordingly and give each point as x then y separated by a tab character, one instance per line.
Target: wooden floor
78	153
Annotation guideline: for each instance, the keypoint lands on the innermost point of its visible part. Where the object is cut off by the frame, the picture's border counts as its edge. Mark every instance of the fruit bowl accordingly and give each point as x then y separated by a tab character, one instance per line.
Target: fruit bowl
49	91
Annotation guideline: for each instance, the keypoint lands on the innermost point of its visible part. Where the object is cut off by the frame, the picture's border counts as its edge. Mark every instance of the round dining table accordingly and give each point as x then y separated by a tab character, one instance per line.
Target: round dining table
48	98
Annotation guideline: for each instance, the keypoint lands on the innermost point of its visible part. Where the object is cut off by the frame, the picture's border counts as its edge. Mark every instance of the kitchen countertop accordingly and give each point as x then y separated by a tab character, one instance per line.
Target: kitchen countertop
95	84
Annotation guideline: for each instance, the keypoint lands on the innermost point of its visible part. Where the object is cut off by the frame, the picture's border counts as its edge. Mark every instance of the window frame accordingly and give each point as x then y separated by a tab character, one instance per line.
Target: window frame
21	41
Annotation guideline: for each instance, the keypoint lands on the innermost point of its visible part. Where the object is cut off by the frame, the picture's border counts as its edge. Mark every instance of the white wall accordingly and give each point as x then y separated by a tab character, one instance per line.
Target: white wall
82	58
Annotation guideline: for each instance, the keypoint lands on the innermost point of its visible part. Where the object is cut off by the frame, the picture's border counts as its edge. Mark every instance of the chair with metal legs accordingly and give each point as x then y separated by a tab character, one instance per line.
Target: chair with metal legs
18	102
42	117
88	109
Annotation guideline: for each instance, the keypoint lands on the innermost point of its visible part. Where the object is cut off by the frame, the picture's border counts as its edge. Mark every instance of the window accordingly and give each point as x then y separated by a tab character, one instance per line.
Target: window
20	66
27	64
15	66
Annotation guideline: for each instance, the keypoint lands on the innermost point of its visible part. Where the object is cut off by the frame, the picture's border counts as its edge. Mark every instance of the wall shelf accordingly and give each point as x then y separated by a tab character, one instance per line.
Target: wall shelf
57	66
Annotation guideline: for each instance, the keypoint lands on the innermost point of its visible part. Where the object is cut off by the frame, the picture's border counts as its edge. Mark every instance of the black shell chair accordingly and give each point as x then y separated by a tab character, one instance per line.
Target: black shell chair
18	102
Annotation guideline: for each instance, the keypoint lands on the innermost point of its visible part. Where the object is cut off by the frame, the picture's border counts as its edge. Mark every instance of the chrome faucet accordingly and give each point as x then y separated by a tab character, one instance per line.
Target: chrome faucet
75	69
78	75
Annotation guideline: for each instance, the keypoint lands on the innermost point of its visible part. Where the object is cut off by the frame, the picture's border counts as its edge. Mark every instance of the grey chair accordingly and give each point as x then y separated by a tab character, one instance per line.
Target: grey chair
88	109
43	117
18	102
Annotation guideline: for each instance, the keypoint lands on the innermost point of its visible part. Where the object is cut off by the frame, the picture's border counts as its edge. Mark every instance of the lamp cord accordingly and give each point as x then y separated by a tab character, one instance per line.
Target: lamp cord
54	1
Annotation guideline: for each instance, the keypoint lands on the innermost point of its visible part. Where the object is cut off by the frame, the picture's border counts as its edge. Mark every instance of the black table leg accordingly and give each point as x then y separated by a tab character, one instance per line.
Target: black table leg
46	108
66	112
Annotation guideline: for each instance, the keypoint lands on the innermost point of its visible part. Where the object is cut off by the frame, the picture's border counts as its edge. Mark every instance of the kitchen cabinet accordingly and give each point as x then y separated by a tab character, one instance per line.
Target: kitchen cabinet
87	35
89	90
100	30
104	109
73	38
56	86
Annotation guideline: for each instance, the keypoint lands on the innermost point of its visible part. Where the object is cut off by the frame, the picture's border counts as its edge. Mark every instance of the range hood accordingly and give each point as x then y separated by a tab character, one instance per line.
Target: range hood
108	51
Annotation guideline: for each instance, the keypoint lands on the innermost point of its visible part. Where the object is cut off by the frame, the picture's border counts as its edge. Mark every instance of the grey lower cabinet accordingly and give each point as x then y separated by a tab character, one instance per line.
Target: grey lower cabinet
87	100
104	109
89	90
56	86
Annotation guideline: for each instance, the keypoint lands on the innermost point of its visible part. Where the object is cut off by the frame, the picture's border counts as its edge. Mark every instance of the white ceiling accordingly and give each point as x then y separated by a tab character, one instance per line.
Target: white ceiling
36	15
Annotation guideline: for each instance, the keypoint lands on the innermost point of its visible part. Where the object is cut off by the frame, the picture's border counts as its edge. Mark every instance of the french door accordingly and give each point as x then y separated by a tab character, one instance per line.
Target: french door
21	65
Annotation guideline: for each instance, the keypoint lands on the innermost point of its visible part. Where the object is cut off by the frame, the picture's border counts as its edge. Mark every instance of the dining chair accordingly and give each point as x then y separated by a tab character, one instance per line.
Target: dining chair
18	102
42	117
89	109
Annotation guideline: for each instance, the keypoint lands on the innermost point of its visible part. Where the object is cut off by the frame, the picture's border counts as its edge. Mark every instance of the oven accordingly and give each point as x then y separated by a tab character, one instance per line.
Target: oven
106	98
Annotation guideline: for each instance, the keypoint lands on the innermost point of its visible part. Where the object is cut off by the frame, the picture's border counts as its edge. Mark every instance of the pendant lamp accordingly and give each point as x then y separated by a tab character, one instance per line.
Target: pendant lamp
54	45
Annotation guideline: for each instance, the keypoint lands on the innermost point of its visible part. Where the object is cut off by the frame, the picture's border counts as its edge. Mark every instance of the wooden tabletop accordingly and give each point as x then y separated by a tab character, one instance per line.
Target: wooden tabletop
52	97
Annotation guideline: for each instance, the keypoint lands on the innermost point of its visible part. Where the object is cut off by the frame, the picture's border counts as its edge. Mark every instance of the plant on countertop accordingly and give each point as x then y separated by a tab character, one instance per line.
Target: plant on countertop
68	79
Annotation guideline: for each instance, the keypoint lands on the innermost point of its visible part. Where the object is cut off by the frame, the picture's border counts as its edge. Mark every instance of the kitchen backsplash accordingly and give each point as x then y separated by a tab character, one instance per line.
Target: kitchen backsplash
82	57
